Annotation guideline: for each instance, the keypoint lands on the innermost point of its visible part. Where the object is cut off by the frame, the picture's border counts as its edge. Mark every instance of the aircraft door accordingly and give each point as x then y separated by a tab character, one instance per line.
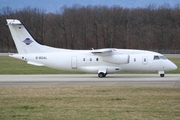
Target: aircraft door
145	60
74	62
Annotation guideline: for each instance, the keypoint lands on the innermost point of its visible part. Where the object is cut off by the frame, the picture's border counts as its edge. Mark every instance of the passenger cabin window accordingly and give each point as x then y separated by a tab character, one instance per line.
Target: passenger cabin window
144	59
159	57
97	59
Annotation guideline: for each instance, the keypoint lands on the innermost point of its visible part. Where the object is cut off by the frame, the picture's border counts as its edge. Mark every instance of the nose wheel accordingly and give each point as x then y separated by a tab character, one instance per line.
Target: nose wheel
162	75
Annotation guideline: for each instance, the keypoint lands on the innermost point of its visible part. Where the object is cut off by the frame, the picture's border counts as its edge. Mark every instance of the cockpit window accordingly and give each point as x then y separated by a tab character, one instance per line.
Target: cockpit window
159	57
156	57
162	57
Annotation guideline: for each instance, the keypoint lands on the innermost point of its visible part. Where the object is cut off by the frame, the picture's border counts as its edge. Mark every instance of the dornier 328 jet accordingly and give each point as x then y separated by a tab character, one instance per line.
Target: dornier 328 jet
100	61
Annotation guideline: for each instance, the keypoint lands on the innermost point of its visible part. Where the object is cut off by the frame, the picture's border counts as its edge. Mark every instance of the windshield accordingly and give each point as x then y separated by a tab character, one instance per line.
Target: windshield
162	57
156	57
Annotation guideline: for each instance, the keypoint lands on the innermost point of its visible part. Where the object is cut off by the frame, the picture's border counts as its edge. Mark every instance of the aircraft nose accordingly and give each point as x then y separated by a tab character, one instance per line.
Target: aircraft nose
172	66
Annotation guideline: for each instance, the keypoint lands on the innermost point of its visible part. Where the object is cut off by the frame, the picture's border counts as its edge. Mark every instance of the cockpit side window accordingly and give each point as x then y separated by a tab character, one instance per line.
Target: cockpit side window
156	57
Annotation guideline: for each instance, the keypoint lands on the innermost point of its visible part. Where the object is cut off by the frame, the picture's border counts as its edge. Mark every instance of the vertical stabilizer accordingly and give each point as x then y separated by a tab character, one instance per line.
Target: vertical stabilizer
23	40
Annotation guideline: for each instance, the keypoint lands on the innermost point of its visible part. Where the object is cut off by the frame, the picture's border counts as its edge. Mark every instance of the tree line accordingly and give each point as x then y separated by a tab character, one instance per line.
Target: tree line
85	27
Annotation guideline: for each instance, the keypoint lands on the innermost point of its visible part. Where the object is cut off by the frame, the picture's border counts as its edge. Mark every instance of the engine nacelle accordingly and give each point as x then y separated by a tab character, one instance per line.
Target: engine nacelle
117	59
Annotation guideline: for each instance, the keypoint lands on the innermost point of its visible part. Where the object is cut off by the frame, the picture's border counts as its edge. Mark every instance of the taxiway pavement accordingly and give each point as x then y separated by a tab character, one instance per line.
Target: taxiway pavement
90	80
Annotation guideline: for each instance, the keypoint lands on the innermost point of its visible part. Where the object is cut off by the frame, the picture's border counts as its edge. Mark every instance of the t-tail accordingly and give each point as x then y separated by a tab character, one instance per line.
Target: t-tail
23	40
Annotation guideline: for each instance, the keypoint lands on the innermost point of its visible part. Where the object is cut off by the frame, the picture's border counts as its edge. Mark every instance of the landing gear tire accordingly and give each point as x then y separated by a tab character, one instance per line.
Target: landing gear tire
162	75
101	75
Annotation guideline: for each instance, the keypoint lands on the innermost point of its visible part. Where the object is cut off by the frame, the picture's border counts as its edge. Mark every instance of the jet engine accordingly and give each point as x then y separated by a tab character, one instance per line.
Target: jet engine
117	59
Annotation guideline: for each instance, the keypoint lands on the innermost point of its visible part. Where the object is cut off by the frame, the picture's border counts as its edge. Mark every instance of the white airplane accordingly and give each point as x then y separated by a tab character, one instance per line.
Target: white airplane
100	61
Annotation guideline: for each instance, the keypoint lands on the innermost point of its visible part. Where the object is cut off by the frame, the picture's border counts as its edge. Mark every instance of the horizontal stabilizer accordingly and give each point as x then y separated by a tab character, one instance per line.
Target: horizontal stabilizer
13	21
34	63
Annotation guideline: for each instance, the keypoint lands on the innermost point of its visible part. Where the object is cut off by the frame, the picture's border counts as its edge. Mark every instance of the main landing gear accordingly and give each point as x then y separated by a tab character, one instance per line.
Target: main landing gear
101	75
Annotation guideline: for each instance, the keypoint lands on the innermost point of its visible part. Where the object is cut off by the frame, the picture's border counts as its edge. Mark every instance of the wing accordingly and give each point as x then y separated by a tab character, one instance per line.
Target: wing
109	56
103	52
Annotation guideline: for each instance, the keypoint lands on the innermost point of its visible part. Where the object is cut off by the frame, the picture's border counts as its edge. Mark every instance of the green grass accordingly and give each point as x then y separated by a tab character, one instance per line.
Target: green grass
10	65
90	103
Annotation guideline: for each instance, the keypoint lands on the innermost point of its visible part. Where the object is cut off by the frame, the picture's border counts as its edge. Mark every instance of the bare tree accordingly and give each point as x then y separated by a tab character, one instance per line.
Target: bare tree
85	27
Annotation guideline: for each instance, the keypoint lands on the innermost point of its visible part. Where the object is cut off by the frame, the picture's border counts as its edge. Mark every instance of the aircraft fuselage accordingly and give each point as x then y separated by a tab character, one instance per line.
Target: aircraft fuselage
85	60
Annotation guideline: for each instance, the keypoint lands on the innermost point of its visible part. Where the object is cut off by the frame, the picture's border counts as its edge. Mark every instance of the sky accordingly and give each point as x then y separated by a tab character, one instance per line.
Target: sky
54	5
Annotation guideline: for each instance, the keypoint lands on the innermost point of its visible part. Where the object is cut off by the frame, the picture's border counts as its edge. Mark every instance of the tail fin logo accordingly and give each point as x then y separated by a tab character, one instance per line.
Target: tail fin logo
27	41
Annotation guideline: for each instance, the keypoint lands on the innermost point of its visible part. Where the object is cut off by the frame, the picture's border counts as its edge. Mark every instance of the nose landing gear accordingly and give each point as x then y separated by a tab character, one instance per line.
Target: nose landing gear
161	73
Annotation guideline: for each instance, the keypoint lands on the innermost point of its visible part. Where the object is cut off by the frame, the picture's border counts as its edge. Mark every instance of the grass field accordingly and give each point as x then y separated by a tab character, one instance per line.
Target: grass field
14	66
89	103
